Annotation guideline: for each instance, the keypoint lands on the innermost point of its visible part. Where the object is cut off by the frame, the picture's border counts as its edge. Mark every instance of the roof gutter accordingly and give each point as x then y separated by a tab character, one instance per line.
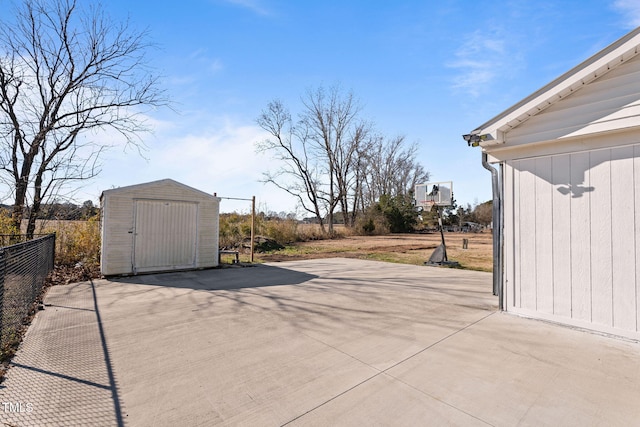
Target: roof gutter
497	230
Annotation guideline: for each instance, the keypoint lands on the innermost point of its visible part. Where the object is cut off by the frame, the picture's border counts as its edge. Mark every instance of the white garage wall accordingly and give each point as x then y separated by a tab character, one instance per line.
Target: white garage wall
572	238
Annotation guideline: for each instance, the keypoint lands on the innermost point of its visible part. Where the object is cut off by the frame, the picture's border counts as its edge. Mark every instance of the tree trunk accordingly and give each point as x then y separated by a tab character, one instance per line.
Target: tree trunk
35	208
18	207
320	221
31	225
345	213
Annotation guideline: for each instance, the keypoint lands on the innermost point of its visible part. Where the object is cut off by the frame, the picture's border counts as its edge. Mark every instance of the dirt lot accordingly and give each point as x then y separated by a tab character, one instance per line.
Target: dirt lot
401	248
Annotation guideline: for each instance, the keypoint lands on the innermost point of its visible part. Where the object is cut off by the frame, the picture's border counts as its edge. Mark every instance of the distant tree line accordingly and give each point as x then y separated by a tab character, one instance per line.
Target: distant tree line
338	167
61	211
457	216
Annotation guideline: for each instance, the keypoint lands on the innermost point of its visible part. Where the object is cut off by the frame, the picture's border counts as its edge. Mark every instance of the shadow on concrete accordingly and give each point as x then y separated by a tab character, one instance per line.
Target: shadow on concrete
256	276
63	374
107	361
358	295
290	317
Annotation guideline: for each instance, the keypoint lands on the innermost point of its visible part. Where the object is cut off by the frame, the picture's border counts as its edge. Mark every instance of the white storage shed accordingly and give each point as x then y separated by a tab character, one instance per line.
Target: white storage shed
567	169
158	226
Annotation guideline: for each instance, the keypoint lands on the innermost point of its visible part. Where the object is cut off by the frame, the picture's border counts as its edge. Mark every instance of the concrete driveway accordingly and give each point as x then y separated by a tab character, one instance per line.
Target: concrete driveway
319	342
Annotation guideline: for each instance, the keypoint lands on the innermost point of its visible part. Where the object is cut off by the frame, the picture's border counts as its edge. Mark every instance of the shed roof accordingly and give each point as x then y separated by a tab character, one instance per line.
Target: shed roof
161	182
573	80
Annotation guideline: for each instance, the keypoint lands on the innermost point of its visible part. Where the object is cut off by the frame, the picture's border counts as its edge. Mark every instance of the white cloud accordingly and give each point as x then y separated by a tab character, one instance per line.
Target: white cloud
631	10
188	71
220	157
215	65
222	160
213	153
202	57
478	60
253	5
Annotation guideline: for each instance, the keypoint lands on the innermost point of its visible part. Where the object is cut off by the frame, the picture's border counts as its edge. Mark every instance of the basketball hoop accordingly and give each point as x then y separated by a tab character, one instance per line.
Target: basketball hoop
433	193
439	194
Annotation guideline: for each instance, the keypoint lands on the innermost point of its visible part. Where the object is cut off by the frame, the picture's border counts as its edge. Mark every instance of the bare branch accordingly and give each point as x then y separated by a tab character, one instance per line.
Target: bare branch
332	158
65	72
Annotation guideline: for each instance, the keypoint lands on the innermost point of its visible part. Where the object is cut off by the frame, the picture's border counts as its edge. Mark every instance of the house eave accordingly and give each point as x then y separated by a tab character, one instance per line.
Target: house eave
596	66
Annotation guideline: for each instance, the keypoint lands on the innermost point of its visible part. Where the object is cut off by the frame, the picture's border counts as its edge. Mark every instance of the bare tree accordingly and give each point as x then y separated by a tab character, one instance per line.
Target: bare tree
354	172
336	133
290	144
390	168
66	73
333	158
319	151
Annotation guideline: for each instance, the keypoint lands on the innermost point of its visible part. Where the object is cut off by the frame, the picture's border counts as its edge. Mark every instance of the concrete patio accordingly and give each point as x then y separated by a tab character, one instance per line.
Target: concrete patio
318	342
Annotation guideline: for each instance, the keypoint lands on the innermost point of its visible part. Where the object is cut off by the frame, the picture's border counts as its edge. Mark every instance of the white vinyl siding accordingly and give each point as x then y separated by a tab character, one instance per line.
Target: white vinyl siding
580	238
118	254
572	238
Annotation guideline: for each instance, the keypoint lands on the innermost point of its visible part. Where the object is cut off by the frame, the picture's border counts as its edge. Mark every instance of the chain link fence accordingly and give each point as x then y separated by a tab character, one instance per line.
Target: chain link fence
23	270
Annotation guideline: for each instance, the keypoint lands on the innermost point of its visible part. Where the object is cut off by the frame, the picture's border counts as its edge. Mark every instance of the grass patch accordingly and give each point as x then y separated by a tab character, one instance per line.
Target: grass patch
412	249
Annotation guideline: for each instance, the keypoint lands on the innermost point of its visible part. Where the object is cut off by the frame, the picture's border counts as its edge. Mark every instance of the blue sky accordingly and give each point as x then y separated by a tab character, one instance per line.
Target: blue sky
429	70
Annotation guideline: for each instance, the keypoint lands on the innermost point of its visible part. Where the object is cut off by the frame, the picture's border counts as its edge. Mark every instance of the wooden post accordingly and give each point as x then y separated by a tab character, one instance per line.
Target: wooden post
253	223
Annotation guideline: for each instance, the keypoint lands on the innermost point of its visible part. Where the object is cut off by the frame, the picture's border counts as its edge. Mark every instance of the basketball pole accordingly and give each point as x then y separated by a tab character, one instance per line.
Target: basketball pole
444	246
438	195
253	225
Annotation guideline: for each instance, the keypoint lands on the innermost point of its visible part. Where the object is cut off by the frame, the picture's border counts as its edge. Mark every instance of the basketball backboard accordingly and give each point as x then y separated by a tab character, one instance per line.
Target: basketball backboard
434	193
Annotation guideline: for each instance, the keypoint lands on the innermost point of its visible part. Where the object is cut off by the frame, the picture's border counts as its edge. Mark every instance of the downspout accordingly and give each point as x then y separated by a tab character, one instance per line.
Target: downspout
497	230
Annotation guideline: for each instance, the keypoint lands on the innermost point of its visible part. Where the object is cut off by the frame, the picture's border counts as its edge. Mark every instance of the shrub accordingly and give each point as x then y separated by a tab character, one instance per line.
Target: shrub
235	230
283	231
229	231
372	222
76	241
369	226
399	213
6	223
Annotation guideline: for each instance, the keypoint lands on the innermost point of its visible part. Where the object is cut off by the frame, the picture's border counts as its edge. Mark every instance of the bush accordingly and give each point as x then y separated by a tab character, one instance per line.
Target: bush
372	222
266	244
283	231
399	213
389	215
76	241
230	232
369	226
235	229
6	223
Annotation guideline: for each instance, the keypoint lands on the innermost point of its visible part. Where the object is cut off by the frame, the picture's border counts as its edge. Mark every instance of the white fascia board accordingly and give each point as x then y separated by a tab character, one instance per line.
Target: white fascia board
596	66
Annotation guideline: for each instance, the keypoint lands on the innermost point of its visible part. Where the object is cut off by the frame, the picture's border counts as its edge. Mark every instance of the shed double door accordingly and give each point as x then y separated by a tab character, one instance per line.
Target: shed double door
165	235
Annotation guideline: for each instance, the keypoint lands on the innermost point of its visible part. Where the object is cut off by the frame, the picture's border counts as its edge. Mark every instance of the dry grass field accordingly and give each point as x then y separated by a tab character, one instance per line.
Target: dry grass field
401	248
79	241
